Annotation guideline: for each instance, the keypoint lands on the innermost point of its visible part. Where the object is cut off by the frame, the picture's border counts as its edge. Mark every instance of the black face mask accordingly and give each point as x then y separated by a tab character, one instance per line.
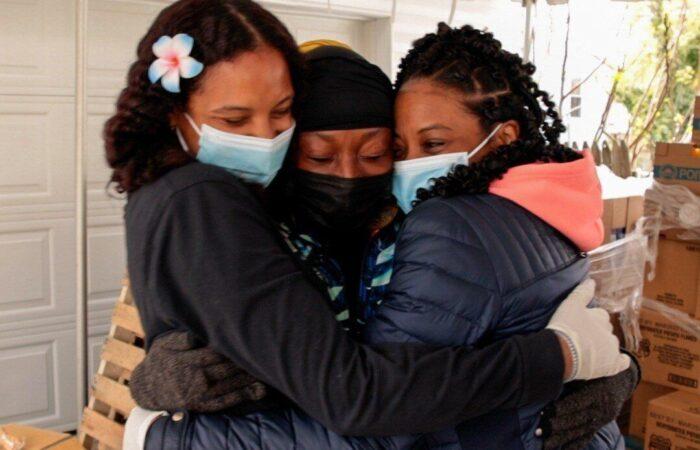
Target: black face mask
339	204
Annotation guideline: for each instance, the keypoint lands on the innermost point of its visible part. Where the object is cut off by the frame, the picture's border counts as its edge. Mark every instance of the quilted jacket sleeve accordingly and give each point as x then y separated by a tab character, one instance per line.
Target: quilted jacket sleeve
444	282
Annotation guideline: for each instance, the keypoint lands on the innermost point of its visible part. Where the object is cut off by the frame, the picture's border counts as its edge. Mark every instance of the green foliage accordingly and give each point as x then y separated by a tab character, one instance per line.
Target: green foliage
658	85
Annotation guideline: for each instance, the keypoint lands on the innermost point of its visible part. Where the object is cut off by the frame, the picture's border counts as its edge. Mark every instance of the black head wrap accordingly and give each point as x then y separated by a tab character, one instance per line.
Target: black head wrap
344	91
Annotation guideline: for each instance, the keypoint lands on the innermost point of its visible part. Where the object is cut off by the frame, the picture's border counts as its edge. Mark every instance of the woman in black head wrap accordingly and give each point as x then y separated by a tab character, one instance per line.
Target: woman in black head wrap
336	187
342	160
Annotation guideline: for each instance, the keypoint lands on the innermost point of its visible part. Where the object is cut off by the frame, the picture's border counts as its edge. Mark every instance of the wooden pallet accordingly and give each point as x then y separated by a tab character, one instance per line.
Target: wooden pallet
102	425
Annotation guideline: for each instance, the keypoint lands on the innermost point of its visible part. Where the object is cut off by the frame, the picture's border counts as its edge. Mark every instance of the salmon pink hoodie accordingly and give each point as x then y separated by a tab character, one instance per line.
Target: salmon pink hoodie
567	196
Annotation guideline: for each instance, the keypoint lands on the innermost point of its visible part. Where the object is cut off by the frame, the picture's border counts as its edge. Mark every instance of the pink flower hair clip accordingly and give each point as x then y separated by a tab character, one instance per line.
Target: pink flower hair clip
174	61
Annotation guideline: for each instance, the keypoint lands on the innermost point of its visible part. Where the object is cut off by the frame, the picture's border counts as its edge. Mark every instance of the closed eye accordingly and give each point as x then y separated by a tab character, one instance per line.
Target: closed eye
234	122
434	144
282	112
320	158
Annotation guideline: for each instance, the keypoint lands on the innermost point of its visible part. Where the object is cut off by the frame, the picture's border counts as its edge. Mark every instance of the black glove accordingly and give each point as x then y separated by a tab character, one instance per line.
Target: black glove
177	373
572	421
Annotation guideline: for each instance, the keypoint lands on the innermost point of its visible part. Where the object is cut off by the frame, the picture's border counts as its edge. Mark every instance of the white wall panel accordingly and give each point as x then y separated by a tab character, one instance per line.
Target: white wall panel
360	34
37	54
26	269
99	325
38	382
303	5
100	200
95	344
37	269
114	29
106	264
305	28
98	172
31	394
349	8
373	7
37	135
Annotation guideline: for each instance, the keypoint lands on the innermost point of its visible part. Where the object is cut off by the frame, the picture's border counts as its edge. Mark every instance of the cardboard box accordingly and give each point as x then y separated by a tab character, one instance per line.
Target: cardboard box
678	164
620	215
36	439
674	422
696	122
669	355
645	393
677	281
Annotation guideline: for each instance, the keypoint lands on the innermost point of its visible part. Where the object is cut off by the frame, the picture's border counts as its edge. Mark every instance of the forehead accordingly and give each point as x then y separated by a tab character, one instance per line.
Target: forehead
424	102
424	93
258	75
357	135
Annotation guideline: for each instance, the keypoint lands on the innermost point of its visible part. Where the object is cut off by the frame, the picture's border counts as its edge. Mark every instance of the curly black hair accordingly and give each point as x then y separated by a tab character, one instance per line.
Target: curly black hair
140	144
497	86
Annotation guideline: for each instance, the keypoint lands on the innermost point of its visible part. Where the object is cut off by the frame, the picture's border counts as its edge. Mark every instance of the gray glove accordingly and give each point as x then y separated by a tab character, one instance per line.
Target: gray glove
573	420
177	373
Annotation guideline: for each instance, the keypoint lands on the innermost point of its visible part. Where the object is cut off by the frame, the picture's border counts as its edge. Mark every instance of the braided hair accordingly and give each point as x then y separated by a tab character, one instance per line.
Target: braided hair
498	87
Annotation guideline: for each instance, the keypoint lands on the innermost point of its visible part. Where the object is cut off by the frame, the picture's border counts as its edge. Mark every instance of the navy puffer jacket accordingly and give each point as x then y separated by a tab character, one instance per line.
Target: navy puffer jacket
474	269
468	270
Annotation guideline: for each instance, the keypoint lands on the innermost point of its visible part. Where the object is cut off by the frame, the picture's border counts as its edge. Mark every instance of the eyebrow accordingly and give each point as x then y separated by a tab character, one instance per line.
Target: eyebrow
235	108
371	133
329	137
231	108
285	100
434	127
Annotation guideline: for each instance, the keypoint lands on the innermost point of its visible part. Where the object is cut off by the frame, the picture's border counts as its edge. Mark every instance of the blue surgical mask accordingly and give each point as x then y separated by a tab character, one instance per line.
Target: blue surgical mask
413	174
253	159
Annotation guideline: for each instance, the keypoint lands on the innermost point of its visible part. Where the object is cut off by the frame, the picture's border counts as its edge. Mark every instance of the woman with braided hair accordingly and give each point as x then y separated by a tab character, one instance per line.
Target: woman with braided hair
498	89
501	214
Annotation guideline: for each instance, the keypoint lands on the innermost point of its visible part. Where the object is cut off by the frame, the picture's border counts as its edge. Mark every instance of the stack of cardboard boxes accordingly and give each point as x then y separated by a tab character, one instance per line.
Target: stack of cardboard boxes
620	215
666	407
696	123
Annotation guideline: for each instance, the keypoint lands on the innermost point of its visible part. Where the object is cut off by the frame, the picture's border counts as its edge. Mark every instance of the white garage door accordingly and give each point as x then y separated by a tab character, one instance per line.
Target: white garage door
306	28
37	183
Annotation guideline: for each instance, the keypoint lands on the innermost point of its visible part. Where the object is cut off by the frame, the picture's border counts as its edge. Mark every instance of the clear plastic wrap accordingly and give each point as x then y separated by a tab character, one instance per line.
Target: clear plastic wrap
679	209
618	269
678	318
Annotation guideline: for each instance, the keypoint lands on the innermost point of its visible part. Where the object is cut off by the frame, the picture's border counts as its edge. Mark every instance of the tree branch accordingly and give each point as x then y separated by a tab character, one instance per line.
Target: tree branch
584	80
566	57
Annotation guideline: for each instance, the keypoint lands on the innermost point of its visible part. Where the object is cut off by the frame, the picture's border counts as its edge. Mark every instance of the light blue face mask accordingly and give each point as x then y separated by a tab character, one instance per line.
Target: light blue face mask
413	174
253	159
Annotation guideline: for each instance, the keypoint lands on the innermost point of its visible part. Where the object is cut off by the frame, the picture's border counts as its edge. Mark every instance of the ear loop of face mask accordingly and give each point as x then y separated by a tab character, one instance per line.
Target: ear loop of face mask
181	138
484	142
